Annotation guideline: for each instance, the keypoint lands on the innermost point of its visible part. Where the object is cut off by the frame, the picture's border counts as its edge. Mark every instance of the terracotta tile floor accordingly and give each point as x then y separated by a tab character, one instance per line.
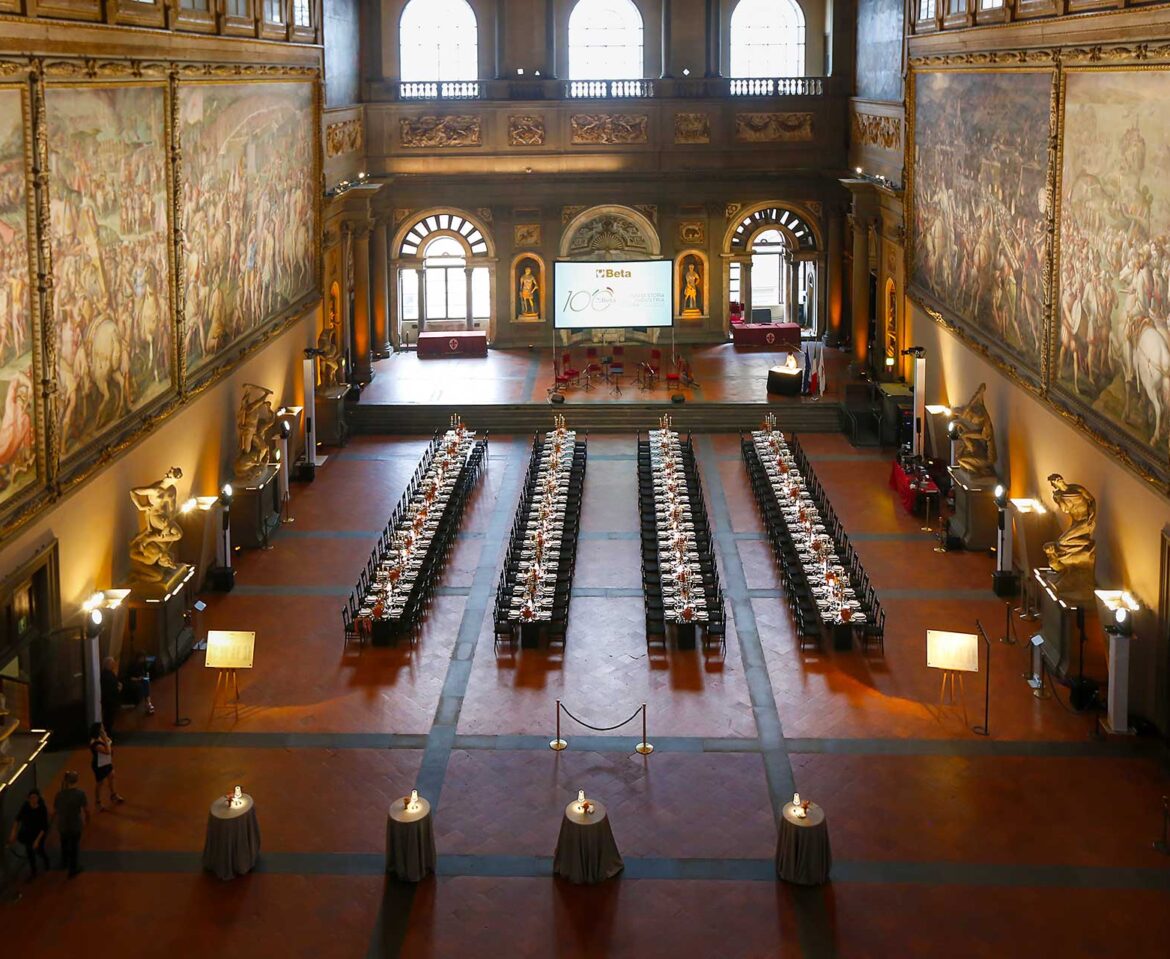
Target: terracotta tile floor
724	373
1035	842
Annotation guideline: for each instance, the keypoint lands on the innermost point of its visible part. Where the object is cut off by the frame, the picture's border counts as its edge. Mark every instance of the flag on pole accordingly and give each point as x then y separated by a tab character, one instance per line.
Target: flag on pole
807	375
822	380
814	377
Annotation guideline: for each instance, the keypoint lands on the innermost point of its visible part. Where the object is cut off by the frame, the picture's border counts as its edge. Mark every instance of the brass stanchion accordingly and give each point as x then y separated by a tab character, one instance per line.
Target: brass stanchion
644	747
558	744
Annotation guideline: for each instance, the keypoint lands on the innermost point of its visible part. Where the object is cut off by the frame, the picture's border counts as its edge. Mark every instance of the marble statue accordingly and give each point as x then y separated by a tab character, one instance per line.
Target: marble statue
329	357
256	421
528	291
1073	556
692	285
976	436
152	556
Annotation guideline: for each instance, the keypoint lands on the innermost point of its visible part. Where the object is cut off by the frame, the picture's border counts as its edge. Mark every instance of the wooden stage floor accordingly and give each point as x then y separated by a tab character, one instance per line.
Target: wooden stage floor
724	374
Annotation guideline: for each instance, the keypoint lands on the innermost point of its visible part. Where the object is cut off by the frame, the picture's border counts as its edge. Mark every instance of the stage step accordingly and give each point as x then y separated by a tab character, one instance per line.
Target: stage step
599	417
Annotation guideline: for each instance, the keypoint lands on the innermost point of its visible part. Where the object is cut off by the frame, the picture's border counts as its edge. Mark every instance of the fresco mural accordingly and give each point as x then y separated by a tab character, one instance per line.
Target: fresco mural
249	209
110	236
980	207
1113	353
17	440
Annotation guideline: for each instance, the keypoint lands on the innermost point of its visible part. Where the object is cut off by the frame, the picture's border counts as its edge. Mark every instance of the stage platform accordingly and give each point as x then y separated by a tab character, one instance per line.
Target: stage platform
508	390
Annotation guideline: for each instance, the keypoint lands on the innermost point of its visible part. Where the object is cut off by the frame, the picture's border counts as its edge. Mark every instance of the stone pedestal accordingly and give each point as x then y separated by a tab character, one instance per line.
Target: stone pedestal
1058	621
330	406
156	624
976	519
256	509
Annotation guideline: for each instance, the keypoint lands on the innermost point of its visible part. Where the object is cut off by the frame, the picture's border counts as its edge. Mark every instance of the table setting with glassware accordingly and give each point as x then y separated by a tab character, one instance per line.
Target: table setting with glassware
400	567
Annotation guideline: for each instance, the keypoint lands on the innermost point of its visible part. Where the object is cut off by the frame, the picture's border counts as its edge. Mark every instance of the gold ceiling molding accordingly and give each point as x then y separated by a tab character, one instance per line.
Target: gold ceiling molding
1050	56
610	129
525	131
692	128
871	129
436	131
344	136
773	127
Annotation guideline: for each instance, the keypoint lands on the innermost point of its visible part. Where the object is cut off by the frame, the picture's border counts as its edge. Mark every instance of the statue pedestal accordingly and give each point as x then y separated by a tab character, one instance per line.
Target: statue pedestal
256	509
157	626
1059	612
330	403
976	519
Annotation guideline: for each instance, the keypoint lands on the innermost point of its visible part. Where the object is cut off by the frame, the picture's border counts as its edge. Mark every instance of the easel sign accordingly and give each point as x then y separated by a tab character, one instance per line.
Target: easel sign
954	654
230	649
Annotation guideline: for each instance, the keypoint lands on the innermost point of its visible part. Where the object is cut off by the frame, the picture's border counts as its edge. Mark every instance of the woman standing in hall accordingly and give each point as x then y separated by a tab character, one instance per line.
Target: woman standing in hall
101	748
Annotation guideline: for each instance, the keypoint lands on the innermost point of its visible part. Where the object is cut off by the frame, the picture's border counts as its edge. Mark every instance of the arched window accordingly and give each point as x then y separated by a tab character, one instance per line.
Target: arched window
437	40
767	39
605	41
444	280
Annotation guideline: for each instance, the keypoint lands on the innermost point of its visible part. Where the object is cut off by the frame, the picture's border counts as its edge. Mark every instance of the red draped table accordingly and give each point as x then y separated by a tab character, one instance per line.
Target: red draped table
909	489
773	336
459	343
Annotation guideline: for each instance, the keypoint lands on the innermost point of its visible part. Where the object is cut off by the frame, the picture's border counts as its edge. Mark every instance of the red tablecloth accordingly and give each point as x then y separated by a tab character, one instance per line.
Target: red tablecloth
775	336
900	482
461	343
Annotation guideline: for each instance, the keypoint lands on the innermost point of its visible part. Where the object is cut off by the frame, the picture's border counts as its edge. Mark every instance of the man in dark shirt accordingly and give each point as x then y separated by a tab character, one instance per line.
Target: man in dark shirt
111	693
70	813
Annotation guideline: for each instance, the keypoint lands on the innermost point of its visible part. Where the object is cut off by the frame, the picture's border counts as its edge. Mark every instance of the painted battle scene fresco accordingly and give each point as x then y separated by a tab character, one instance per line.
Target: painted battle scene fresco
1114	339
249	212
980	205
17	441
110	237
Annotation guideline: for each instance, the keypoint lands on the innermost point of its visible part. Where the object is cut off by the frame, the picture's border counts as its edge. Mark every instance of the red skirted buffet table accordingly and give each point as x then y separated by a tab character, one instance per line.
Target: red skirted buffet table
459	343
910	487
772	336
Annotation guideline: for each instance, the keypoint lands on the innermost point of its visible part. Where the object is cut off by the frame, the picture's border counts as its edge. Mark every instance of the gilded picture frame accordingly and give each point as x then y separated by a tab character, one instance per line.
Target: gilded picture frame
27	496
1026	360
32	75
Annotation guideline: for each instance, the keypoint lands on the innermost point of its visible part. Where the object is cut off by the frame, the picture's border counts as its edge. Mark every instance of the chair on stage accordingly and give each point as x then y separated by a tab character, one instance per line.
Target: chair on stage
569	370
674	379
561	380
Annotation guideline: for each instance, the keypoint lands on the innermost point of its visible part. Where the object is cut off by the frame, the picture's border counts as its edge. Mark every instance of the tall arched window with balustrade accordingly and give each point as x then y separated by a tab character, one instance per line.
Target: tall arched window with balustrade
438	41
605	41
767	39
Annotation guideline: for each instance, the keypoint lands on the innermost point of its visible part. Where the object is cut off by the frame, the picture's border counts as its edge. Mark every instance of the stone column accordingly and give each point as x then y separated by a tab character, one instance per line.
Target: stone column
860	290
835	268
382	341
745	289
363	370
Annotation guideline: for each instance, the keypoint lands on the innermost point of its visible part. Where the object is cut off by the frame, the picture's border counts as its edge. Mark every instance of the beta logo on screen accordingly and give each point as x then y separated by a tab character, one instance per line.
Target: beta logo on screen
601	298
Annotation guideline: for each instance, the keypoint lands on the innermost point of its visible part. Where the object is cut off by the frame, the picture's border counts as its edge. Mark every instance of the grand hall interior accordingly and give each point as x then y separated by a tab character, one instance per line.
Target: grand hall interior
584	478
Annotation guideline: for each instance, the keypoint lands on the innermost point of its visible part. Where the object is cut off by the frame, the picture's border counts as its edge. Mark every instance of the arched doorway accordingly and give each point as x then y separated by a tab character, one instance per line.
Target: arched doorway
610	233
444	268
776	266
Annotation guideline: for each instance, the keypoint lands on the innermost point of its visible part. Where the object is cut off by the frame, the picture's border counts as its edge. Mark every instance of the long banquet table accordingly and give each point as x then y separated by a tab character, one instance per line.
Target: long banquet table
796	518
538	568
406	562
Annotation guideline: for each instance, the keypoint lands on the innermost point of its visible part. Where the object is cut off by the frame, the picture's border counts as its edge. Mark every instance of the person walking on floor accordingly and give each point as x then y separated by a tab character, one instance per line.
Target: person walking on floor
101	749
140	677
111	689
30	829
70	814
